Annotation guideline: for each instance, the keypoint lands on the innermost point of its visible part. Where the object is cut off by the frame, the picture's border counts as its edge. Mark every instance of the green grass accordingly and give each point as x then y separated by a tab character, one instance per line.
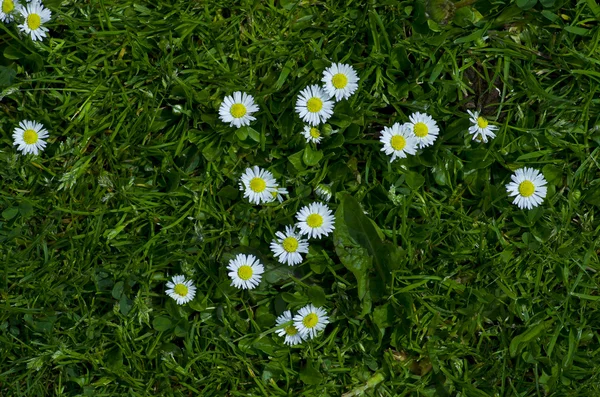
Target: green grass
139	182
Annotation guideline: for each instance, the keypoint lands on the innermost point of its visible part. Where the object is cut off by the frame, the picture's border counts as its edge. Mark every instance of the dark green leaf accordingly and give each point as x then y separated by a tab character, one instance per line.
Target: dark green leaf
310	375
162	323
316	295
311	156
7	76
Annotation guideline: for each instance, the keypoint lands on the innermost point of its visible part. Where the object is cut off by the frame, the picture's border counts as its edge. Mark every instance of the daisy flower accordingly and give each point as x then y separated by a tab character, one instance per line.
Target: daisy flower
292	336
29	137
181	290
237	109
315	220
35	16
323	192
7	10
258	185
340	81
481	129
278	194
289	246
245	271
529	187
424	128
310	320
313	105
398	141
312	134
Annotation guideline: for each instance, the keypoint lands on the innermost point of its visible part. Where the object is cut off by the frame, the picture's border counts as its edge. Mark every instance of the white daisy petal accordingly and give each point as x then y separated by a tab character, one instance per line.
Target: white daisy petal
313	105
245	271
398	141
259	185
310	320
315	220
424	128
8	9
340	81
292	336
289	246
29	137
480	128
34	17
237	109
312	134
528	186
323	192
181	290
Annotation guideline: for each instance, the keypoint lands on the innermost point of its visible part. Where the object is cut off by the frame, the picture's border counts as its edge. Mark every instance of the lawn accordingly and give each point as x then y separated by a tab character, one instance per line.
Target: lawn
433	281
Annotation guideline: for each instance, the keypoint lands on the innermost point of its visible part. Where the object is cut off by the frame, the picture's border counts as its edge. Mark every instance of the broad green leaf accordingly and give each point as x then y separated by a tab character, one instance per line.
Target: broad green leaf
10	212
552	174
7	76
526	4
296	160
117	290
316	295
310	375
162	323
359	246
354	258
312	157
525	337
414	180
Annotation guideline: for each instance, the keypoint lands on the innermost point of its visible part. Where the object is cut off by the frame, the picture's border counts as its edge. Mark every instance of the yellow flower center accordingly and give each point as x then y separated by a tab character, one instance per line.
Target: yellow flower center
339	81
258	184
314	105
30	137
245	272
310	320
7	6
290	244
291	330
181	290
526	188
481	122
34	21
398	142
314	220
237	110
421	130
314	132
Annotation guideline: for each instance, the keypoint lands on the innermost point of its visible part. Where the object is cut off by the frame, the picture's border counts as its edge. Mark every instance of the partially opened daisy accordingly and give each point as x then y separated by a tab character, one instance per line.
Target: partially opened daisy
181	290
245	271
529	187
29	137
313	105
323	192
292	336
340	81
258	185
288	247
312	134
310	320
315	220
424	128
398	141
278	194
237	109
481	129
7	10
35	16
